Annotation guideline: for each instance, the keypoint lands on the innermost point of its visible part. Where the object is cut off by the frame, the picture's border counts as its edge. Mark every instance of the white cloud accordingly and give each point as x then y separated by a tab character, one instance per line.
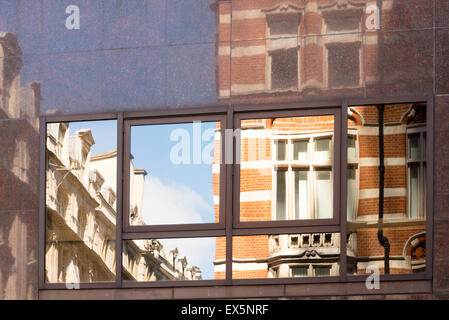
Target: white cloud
172	204
176	204
198	251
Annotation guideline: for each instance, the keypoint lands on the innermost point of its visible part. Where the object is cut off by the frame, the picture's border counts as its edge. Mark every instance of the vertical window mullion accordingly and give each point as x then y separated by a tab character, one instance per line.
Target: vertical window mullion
290	183
311	179
422	202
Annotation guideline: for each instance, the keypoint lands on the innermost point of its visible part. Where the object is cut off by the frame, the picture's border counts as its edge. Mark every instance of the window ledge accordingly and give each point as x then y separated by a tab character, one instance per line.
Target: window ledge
394	222
243	291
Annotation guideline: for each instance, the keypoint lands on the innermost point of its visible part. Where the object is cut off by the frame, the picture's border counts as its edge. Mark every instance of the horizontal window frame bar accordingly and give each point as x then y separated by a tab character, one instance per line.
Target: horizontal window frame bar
310	224
80	117
171	283
82	285
285	230
390	277
172	227
243	291
218	233
177	112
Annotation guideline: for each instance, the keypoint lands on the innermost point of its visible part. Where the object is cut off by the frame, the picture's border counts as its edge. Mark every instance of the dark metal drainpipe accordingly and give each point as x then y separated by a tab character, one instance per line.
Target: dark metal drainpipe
380	234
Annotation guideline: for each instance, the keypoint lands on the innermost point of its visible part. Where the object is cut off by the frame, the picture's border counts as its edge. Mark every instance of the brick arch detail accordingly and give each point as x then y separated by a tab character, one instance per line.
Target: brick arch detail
410	114
353	114
411	244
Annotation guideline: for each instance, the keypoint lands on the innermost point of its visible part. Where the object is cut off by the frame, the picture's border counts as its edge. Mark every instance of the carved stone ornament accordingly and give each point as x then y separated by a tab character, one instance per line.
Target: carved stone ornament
324	4
153	245
285	7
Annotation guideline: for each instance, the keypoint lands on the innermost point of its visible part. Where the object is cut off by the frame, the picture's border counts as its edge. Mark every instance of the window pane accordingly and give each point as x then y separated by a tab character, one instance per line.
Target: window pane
407	246
265	194
300	151
285	26
352	184
344	64
299	271
282	256
175	173
414	149
81	179
302	195
284	69
174	259
280	150
424	146
404	189
414	191
352	152
280	196
322	149
424	190
324	271
324	195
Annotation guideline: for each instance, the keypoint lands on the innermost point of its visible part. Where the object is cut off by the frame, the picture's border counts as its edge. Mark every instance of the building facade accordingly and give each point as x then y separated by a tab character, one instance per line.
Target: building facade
286	171
81	218
298	216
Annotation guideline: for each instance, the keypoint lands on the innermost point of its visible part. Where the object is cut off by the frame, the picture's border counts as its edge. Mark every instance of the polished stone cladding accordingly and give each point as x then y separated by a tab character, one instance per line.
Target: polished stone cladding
140	55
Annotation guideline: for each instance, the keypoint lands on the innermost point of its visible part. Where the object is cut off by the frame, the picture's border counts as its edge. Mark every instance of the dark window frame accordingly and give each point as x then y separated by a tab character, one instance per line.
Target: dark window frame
336	113
126	158
227	227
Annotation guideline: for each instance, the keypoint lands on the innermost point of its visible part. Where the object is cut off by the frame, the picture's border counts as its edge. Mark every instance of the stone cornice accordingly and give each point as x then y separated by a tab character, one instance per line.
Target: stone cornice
286	7
325	4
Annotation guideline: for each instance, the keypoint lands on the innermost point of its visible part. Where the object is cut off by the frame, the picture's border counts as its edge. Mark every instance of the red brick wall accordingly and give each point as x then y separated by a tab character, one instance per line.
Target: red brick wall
368	245
253	149
250	69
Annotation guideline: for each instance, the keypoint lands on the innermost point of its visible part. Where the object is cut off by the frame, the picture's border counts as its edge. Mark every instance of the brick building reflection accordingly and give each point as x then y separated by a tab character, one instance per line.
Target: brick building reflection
283	50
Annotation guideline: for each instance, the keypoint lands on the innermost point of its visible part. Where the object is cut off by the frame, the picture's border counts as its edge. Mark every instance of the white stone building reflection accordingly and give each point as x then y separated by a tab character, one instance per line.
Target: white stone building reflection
81	209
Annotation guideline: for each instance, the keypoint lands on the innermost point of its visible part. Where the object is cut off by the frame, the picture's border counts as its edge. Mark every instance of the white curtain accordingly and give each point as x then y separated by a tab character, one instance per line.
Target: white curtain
300	151
280	196
324	195
322	149
351	194
301	195
414	191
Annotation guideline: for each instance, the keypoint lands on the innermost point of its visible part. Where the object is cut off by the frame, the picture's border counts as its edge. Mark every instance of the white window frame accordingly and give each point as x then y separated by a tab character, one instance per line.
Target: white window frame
300	265
422	167
354	164
291	166
311	267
